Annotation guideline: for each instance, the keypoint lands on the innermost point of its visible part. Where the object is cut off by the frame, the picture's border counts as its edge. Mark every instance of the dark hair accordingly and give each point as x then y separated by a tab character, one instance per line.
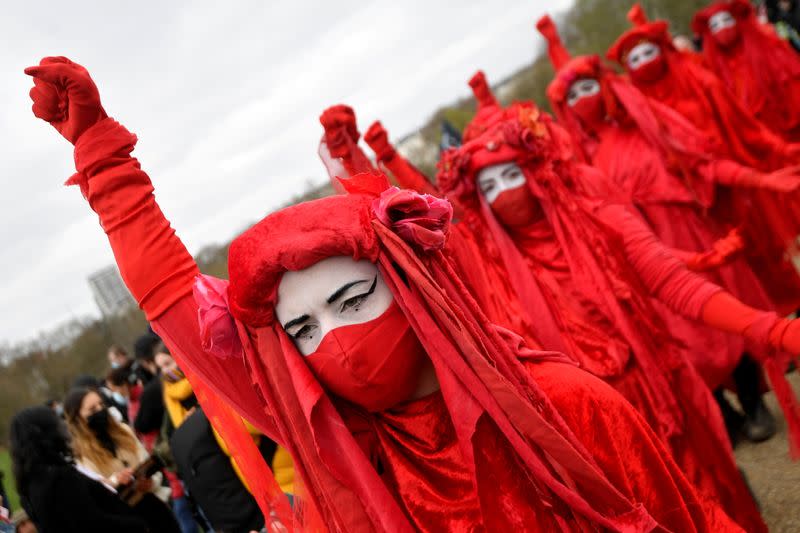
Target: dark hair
144	346
116	349
39	440
85	381
120	376
160	347
73	401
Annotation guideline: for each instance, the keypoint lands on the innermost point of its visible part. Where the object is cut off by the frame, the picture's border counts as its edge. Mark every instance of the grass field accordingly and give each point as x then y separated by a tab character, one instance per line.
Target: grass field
8	480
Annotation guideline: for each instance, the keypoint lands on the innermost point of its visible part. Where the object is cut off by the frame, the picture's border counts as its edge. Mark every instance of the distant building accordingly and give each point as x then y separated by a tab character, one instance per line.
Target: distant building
109	291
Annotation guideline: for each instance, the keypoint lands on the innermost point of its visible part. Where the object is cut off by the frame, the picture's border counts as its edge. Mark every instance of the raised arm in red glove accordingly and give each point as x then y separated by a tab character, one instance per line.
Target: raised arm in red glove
154	263
341	137
404	172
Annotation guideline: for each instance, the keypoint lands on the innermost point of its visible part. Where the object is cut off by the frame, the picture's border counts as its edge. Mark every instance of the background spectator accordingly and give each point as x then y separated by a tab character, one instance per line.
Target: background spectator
108	448
59	498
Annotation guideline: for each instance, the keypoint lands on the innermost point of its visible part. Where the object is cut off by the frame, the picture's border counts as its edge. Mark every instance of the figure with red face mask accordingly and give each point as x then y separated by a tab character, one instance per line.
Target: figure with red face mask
759	67
771	221
566	234
344	335
662	164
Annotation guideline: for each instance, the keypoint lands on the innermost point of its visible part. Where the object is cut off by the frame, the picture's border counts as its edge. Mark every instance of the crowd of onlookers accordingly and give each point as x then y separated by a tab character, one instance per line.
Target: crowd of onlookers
133	451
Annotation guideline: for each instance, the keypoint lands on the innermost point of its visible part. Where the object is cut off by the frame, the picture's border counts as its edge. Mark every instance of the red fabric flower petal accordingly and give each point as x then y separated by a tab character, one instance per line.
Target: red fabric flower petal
217	326
421	220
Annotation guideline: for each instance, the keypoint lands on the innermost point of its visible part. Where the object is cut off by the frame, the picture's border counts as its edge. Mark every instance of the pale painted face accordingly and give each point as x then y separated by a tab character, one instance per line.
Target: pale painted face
496	179
583	88
719	21
335	292
641	54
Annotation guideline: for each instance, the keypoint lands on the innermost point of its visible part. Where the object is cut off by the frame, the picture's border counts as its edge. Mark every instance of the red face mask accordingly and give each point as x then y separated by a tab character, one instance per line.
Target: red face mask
590	109
516	208
375	364
726	36
650	71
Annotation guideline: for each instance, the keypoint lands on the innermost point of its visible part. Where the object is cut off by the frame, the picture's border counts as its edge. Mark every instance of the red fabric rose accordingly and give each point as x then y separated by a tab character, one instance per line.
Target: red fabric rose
421	220
217	326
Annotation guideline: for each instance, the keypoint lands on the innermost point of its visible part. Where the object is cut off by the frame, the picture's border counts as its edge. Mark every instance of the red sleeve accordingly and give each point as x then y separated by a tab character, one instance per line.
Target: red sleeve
408	176
152	260
665	275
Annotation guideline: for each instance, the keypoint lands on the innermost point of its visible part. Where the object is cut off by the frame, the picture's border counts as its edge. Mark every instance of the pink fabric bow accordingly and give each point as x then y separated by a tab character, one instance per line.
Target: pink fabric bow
217	326
421	220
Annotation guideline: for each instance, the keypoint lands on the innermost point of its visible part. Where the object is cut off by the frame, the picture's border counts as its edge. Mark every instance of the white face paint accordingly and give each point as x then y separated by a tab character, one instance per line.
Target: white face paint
335	292
496	179
720	21
642	54
583	88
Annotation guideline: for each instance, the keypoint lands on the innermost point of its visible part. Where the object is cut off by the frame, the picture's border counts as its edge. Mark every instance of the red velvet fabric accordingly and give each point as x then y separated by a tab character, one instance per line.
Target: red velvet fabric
760	68
596	282
341	139
770	220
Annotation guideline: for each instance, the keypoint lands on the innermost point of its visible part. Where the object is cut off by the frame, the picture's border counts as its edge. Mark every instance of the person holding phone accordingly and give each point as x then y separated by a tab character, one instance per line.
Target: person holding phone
110	450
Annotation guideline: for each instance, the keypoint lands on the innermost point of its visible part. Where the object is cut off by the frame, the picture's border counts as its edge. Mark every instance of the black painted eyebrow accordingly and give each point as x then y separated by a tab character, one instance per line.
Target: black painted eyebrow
507	170
341	290
295	321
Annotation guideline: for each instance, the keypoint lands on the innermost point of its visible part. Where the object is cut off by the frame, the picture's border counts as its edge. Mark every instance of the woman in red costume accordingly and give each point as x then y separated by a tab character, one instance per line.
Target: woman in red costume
344	335
592	267
760	68
771	221
661	164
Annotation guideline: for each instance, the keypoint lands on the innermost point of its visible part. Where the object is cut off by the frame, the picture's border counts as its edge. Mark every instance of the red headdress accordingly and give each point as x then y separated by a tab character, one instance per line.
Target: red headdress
401	231
488	109
655	32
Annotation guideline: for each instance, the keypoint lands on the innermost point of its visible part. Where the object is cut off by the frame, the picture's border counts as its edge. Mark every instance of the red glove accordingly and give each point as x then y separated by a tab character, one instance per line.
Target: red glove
339	122
727	313
722	252
65	96
730	173
378	139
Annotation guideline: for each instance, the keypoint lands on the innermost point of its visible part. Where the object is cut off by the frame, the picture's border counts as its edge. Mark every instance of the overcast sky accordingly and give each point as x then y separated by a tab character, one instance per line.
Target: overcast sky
225	99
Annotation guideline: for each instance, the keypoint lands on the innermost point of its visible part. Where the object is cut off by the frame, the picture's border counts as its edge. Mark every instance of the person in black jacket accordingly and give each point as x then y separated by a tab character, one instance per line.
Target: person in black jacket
207	472
55	494
151	403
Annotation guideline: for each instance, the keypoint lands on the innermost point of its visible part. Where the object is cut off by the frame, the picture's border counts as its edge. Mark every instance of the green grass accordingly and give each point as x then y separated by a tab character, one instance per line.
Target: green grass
8	479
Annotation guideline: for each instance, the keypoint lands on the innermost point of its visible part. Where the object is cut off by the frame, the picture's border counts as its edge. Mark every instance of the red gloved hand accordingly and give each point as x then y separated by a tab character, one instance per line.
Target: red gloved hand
727	313
339	122
378	139
65	96
722	252
784	180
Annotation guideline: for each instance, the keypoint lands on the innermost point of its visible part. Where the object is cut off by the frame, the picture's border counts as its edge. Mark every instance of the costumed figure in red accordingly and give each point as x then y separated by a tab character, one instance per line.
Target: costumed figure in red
582	261
661	163
760	68
344	335
770	221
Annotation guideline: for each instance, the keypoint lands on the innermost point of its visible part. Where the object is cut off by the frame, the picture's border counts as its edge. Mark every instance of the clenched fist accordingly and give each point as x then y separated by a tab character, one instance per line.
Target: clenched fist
64	95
